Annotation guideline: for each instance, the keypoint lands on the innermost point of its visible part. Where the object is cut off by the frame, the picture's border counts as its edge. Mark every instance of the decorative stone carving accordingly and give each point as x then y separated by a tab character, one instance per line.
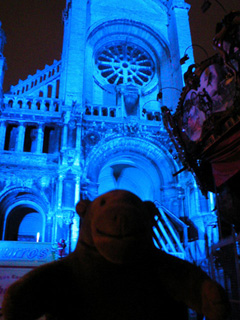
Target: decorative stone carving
124	63
92	138
69	155
67	216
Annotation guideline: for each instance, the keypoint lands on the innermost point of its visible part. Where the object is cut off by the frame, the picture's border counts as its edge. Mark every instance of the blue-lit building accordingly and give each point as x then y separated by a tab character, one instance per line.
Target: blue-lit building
92	122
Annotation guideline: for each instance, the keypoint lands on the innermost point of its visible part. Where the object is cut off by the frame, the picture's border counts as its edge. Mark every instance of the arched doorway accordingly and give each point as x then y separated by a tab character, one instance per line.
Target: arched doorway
130	163
133	173
24	223
23	216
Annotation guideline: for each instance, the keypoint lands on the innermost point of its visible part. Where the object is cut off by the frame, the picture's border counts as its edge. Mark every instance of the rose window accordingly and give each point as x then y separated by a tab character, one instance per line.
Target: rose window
125	64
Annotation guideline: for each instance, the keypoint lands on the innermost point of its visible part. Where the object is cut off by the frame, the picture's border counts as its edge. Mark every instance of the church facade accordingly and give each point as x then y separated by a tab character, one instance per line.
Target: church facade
92	122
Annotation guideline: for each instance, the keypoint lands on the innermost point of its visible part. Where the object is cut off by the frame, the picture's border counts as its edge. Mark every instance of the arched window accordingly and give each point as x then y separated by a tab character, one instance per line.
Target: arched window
157	116
88	111
95	111
49	91
29	104
57	88
20	103
112	113
104	112
10	103
47	106
38	104
56	106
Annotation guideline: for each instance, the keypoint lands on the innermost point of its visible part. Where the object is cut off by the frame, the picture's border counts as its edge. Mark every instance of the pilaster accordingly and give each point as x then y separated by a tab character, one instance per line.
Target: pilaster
2	134
180	35
73	53
40	136
20	137
3	65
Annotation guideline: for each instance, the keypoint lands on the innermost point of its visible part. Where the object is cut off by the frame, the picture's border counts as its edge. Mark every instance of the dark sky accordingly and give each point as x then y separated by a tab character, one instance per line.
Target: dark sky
34	32
203	24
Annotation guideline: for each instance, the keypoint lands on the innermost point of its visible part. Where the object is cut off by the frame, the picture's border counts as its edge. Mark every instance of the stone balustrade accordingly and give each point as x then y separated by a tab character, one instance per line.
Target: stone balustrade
99	110
29	104
47	75
112	112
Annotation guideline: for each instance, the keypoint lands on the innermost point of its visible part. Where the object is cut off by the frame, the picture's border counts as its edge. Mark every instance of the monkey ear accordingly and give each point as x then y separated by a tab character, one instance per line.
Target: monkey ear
82	206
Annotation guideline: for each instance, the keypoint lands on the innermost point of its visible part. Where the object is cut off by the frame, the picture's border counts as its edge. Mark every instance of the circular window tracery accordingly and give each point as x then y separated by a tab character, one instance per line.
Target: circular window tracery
125	64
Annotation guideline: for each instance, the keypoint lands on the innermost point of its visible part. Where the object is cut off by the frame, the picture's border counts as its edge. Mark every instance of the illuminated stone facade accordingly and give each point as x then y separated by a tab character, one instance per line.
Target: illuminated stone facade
92	122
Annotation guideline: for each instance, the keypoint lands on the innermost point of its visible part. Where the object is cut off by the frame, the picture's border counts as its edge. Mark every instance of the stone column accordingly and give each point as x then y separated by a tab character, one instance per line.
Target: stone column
54	88
77	188
40	137
78	136
78	144
60	189
181	197
64	136
68	216
197	201
20	137
48	229
57	144
2	134
92	190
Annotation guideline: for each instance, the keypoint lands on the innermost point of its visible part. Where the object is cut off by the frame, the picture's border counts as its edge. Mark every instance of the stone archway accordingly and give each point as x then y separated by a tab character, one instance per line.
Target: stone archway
23	215
131	163
131	172
24	223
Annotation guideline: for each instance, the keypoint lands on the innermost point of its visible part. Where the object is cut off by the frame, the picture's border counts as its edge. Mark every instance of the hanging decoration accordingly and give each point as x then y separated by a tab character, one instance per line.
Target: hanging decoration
205	127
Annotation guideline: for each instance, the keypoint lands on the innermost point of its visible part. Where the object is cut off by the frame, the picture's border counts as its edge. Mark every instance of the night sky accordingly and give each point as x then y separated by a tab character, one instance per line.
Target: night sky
34	32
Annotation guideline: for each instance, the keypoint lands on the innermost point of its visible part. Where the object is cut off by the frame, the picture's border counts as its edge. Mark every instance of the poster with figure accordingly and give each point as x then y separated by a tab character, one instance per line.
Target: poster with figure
18	258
